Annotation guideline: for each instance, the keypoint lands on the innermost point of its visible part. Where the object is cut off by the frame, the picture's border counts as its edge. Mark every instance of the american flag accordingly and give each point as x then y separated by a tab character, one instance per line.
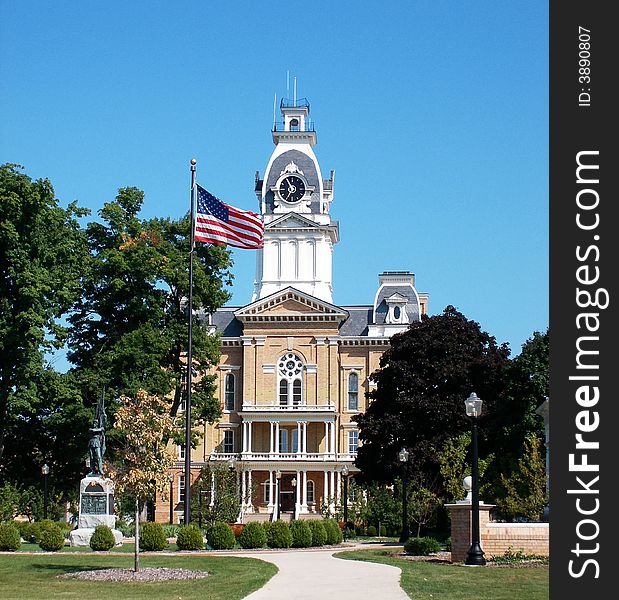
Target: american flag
218	223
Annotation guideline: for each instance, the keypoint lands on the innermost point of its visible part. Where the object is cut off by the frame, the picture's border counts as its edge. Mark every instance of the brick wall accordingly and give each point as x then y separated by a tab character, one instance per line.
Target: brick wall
496	538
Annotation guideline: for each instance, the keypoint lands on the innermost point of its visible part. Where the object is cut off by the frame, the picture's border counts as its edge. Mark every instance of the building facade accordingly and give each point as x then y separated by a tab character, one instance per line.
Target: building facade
294	366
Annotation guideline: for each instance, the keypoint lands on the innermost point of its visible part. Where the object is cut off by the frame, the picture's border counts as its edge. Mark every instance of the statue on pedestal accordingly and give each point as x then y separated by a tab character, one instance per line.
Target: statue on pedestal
96	444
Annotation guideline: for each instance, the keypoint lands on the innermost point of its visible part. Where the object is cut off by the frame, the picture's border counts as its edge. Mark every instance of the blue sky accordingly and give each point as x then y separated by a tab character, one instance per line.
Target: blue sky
433	114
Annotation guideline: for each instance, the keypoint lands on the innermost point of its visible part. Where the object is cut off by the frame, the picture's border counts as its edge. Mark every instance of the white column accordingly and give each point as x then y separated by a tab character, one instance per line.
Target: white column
249	434
299	438
304	491
332	484
332	445
338	494
304	437
212	489
277	448
326	437
298	492
243	491
270	506
250	500
325	491
244	442
271	427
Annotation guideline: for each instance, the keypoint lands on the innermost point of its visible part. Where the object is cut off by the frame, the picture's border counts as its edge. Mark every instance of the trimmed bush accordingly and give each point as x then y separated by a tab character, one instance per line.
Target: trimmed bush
9	537
190	538
39	527
371	531
334	533
102	539
421	546
278	535
152	537
383	531
253	535
221	536
319	533
25	530
52	538
301	534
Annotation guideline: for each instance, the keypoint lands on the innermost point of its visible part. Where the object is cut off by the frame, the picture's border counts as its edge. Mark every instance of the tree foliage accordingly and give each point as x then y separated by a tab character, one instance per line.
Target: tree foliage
423	380
130	329
42	250
215	496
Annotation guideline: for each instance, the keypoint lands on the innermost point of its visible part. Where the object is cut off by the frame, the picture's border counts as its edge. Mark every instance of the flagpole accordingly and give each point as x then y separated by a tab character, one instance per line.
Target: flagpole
187	503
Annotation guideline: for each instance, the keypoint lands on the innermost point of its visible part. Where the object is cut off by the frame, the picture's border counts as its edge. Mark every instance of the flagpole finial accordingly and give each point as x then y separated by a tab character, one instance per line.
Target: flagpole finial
193	161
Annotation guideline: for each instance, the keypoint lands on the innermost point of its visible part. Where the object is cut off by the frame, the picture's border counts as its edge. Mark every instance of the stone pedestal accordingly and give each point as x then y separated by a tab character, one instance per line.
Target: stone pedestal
96	508
461	516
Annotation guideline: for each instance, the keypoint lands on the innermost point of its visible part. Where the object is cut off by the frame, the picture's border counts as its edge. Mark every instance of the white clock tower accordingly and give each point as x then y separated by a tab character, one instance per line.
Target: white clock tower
299	233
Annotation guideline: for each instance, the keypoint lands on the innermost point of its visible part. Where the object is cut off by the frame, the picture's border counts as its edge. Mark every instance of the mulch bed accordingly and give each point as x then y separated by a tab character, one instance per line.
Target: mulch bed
145	574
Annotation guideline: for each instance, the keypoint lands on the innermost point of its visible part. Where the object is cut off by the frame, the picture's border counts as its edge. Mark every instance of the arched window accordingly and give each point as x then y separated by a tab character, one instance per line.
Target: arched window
290	370
294	124
353	391
229	392
310	491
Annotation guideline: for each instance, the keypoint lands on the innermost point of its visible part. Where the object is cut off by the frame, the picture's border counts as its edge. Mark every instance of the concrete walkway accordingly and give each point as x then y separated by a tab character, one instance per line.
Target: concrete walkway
317	575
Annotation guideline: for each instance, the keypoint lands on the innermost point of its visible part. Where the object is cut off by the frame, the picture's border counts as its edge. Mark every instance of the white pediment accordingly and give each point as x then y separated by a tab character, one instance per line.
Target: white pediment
290	303
291	221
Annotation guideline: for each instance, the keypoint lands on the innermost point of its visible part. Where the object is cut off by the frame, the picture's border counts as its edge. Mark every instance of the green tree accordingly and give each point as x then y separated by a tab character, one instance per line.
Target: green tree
130	329
525	487
215	496
142	424
42	249
423	380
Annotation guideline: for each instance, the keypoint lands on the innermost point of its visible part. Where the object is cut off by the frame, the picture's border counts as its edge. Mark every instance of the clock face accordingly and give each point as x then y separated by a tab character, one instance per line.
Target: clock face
292	188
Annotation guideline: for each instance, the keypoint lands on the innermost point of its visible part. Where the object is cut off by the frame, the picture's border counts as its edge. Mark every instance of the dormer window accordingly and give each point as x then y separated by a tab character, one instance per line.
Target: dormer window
396	313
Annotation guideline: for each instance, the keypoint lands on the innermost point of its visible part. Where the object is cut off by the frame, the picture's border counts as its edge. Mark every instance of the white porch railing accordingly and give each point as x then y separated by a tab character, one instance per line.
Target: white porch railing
321	408
283	456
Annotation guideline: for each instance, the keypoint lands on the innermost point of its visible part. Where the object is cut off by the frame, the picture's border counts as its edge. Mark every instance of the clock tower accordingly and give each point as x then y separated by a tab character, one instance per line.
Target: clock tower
299	233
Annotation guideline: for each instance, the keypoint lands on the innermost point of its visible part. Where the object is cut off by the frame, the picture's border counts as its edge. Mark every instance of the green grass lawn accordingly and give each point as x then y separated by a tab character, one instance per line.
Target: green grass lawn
35	577
438	581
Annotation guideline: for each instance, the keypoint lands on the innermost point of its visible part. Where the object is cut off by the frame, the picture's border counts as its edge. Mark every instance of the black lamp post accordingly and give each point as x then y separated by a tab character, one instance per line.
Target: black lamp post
475	555
45	472
403	456
171	480
345	476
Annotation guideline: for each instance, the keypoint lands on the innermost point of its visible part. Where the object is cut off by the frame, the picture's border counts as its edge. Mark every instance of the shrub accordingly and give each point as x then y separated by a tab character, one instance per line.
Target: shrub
39	527
334	533
52	538
278	535
421	546
301	534
319	533
102	539
25	530
383	531
189	538
253	535
371	531
9	537
448	544
152	537
170	530
221	536
127	529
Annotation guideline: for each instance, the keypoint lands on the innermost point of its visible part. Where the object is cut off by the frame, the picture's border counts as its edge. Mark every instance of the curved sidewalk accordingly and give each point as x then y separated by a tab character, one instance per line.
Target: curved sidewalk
317	575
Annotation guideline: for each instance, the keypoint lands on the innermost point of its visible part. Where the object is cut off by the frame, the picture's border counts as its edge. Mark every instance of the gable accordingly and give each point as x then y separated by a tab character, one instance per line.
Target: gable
291	305
292	221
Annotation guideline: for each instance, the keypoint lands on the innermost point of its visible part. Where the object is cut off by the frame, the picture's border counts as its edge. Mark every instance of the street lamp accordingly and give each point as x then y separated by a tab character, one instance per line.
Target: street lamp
345	476
278	477
403	456
296	500
171	480
475	555
45	472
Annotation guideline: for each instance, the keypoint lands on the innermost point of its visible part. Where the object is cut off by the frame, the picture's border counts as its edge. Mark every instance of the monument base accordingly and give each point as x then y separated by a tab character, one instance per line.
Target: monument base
81	537
96	508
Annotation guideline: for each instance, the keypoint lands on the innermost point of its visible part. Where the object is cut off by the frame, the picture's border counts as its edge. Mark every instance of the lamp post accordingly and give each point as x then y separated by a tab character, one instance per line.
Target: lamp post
278	477
296	502
345	476
403	456
171	480
45	472
475	555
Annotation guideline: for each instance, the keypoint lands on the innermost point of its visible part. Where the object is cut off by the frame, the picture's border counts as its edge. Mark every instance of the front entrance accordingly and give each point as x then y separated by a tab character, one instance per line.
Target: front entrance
287	501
